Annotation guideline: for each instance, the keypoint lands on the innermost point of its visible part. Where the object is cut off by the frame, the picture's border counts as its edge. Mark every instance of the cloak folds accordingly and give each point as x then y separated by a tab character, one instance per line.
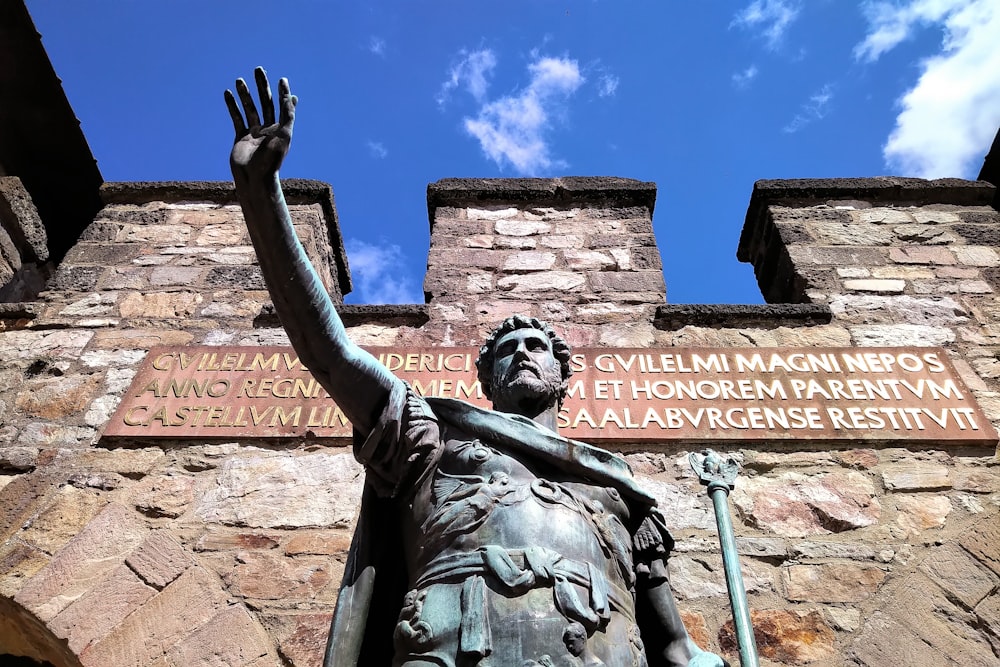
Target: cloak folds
375	580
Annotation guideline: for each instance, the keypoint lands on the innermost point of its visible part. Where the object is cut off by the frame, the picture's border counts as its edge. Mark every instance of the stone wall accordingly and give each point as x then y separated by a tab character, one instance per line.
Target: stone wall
230	552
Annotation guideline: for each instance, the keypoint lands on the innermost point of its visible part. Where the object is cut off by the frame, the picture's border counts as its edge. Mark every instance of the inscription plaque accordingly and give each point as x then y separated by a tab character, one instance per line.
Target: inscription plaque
672	394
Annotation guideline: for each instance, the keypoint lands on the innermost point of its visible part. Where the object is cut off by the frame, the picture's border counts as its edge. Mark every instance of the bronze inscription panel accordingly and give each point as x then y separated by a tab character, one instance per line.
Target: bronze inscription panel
672	394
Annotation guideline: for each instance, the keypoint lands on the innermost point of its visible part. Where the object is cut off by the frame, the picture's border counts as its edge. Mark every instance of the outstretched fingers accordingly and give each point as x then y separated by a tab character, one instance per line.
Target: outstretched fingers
235	114
287	102
253	120
264	93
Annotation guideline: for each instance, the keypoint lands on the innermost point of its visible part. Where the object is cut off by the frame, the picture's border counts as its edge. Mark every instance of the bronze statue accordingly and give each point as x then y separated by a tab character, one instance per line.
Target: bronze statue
484	538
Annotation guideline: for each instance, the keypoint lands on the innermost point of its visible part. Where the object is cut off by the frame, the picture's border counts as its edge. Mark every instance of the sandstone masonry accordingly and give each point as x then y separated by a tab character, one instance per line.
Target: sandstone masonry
230	552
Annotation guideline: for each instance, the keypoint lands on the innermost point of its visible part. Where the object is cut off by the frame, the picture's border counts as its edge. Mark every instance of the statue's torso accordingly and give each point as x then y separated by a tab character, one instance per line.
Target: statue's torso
512	541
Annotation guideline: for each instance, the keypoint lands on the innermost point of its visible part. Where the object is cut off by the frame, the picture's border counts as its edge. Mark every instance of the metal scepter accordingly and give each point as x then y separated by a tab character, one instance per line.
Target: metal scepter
719	475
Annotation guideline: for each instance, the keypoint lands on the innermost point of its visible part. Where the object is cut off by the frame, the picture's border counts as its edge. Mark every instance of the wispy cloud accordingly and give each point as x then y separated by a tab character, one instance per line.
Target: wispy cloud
377	150
607	85
377	46
815	108
471	71
512	129
771	18
745	78
948	118
376	270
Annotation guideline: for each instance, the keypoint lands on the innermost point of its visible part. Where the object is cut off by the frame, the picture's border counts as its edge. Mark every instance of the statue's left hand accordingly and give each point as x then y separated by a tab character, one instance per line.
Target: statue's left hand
260	147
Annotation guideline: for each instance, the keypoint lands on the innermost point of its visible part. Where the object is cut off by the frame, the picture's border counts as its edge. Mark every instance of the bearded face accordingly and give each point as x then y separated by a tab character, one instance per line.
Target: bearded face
526	376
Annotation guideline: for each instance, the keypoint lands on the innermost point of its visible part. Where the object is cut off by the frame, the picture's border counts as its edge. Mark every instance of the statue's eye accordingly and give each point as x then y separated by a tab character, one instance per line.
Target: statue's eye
536	345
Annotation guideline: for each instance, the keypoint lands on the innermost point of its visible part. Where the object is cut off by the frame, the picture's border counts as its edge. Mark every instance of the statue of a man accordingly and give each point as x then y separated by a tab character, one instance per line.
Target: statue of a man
484	538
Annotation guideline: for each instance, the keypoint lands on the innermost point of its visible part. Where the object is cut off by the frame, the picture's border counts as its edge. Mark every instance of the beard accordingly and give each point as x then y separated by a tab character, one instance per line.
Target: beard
527	389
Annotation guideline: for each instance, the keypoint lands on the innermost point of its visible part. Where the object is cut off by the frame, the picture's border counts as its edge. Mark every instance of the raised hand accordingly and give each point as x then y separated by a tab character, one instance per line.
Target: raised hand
260	147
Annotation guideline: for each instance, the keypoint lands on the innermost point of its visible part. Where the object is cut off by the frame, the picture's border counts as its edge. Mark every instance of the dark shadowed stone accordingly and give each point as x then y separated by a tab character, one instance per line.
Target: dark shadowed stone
105	255
884	189
19	217
646	257
979	234
980	217
240	277
19	311
101	231
412	315
672	317
75	278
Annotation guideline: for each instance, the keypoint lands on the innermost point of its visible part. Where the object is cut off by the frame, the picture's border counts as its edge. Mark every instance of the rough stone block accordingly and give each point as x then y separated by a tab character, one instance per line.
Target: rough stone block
57	398
301	636
103	254
852	234
917	513
18	563
971	255
169	305
529	261
491	214
521	227
959	574
284	491
901	335
796	505
266	575
836	255
589	260
562	281
627	281
156	235
922	255
790	637
983	542
931	216
319	544
70	510
106	605
882	216
156	627
926	235
831	582
874	285
85	561
159	559
226	234
916	477
163	276
514	242
231	637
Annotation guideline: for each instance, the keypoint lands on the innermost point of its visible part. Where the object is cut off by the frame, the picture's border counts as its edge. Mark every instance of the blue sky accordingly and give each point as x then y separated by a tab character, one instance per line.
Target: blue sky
703	98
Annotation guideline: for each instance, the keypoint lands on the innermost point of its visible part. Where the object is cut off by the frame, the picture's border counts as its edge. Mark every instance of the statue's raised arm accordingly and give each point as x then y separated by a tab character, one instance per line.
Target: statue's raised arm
356	381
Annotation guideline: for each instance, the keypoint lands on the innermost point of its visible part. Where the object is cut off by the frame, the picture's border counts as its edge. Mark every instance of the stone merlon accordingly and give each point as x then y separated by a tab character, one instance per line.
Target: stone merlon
600	190
297	191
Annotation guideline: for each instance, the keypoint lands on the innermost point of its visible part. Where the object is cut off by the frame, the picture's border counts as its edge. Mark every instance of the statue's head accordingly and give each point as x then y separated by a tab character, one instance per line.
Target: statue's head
524	364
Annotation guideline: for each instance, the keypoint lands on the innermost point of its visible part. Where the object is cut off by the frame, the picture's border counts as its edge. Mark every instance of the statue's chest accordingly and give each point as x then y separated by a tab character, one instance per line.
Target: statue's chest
479	494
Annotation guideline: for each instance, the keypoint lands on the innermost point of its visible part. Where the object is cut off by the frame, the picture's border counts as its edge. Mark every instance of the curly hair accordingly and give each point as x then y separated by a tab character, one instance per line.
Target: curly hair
560	351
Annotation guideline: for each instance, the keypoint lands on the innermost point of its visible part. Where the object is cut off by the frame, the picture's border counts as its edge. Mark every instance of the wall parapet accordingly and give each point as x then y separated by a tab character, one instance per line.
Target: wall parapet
298	191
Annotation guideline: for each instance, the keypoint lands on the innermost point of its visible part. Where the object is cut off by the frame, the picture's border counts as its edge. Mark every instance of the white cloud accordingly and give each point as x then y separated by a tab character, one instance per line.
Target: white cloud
744	78
607	86
375	270
472	71
815	108
377	150
770	17
511	130
949	117
377	46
